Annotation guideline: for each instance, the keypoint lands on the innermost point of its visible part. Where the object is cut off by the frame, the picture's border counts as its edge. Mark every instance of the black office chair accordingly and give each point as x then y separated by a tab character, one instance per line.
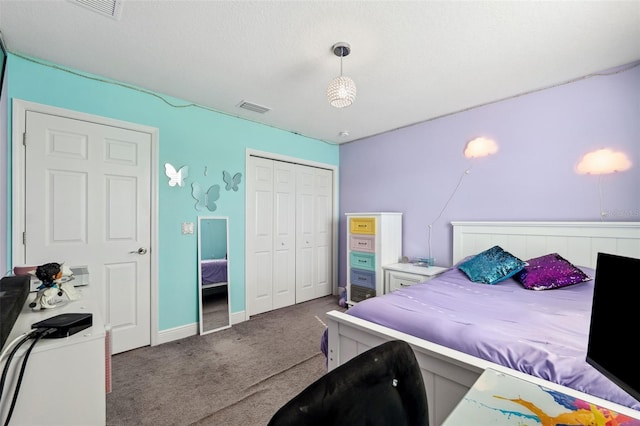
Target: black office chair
380	387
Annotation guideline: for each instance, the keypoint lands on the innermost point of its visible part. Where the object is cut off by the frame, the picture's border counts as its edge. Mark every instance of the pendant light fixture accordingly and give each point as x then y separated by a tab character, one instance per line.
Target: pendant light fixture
342	90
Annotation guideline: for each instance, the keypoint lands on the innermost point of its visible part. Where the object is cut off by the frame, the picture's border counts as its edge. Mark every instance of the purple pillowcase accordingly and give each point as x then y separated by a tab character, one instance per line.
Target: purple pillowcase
550	271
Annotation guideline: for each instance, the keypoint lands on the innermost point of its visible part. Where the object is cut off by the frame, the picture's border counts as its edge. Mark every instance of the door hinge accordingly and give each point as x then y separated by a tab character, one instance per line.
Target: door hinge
24	238
24	139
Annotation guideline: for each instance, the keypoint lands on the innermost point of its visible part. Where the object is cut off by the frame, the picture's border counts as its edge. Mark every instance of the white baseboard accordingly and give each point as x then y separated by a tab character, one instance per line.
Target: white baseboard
238	317
192	329
177	333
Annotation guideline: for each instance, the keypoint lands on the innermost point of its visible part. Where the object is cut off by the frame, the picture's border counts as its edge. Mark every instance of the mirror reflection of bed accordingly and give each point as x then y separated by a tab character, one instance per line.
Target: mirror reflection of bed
213	273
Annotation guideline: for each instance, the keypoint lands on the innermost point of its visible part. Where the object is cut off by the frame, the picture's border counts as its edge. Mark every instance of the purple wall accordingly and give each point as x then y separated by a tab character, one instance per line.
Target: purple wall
541	136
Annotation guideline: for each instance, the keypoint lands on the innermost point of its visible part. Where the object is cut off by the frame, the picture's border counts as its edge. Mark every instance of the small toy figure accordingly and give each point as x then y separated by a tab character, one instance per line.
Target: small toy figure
48	273
51	276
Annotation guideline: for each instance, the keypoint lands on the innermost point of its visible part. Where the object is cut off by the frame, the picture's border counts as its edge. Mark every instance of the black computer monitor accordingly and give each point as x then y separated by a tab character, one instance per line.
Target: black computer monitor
13	295
615	320
3	61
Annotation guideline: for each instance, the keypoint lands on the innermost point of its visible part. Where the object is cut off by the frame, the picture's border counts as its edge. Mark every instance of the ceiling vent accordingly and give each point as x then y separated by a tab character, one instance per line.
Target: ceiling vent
253	107
110	8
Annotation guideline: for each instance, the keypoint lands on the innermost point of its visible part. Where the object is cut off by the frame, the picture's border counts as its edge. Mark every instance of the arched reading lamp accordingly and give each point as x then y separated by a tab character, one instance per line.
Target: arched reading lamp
603	162
475	148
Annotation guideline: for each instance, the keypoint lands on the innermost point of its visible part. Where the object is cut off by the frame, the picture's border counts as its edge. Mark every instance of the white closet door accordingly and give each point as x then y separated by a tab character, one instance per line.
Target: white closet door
284	247
289	234
270	276
259	271
314	189
324	232
305	233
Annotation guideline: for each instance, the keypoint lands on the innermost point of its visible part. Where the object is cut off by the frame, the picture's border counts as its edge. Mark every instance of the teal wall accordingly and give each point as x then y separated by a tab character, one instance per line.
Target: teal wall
192	136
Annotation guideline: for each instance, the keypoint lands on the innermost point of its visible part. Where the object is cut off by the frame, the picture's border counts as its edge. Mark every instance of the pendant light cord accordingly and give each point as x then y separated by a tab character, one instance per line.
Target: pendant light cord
466	172
602	214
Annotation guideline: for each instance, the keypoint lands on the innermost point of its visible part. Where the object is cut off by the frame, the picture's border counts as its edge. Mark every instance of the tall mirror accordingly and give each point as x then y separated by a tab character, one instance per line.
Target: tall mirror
213	273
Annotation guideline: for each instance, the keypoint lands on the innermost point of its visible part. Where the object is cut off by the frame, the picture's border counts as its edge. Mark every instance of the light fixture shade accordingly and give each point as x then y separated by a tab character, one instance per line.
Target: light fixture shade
480	147
341	92
603	161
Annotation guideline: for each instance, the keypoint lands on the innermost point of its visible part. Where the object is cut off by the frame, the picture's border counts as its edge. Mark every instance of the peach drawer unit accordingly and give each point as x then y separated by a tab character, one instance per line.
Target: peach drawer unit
373	240
365	243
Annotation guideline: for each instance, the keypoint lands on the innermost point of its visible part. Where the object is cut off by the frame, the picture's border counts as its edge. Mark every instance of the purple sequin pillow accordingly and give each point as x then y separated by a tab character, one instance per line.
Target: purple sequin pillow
550	271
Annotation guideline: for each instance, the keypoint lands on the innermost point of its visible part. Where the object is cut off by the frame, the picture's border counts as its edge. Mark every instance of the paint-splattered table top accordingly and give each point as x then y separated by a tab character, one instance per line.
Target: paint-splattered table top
497	398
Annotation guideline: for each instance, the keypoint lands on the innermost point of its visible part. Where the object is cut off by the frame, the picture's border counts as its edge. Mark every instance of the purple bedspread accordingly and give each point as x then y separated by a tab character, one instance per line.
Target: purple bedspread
542	333
214	271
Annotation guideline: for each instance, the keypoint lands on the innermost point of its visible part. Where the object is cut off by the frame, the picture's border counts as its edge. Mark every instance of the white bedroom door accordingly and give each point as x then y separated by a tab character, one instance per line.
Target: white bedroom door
88	202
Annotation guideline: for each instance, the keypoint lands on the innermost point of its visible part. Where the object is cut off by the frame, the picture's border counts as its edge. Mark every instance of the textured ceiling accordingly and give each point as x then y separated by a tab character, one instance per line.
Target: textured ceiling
411	61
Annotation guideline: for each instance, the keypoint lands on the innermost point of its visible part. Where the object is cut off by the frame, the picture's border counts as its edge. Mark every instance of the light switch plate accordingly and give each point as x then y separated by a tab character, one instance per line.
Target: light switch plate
187	228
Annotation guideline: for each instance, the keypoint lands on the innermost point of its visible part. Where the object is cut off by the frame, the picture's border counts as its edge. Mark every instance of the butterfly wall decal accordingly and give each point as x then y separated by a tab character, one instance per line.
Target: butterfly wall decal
205	199
232	182
176	177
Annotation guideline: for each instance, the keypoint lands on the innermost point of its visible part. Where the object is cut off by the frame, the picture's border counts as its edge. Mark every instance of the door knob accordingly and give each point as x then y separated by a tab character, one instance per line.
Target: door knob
141	250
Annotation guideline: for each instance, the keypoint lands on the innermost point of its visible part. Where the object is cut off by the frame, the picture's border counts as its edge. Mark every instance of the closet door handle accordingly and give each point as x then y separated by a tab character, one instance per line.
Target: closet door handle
140	251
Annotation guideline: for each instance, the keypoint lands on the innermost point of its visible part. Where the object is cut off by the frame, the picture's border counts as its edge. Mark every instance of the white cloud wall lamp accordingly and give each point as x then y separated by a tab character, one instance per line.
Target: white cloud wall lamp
603	162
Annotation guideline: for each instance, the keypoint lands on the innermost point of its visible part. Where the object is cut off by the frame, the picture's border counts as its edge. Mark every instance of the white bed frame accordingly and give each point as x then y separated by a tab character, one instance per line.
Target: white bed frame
448	374
213	285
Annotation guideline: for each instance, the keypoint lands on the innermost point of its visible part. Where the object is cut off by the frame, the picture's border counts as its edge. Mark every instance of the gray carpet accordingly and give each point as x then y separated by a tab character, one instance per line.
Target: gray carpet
238	376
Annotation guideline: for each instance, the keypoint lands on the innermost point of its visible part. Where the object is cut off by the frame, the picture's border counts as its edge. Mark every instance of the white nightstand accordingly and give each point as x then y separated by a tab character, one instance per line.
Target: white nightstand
398	275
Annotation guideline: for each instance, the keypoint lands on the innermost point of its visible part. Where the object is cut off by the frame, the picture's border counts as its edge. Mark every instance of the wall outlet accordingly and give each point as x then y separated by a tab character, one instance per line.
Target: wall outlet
187	228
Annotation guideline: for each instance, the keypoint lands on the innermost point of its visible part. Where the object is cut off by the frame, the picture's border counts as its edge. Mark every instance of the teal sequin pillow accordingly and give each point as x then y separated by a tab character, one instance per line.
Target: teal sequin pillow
492	266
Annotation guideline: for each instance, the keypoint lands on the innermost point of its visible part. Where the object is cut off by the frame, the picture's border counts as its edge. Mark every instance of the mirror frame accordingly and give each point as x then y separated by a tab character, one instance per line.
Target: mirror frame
200	290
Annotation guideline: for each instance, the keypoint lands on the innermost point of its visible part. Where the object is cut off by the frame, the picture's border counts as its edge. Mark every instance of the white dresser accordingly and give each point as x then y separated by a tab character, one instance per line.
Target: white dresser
398	275
64	380
373	240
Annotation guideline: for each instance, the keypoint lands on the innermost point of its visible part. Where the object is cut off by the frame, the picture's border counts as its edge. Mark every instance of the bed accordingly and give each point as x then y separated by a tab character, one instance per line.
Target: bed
214	273
450	358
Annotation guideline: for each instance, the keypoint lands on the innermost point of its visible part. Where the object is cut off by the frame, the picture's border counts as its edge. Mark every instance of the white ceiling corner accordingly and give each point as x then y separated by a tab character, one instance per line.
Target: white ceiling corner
412	61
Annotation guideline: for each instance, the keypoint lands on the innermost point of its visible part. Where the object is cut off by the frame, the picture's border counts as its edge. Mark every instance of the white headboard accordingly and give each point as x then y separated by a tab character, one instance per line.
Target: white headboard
578	242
